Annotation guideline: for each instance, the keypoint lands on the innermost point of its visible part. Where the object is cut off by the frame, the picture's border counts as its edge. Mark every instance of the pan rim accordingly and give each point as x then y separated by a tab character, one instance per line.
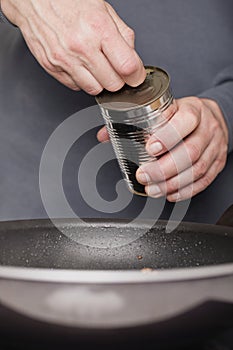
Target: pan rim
46	222
100	277
112	276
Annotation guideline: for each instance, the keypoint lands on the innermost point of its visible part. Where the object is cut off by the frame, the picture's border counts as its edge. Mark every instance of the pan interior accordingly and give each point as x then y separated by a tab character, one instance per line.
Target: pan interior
38	244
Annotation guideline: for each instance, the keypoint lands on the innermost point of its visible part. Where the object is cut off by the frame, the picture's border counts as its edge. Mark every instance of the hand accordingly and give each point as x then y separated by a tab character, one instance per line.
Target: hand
185	168
82	43
192	150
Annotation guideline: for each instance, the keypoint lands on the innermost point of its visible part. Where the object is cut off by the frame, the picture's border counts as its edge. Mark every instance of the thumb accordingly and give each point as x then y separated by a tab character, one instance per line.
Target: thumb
102	135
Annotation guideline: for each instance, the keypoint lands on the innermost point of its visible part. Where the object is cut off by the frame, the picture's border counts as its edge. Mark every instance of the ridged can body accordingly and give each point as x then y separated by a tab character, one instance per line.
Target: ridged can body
132	115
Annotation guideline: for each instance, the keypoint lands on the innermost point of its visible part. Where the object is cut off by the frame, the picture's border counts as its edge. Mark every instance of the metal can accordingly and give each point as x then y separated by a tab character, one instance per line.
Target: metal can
132	115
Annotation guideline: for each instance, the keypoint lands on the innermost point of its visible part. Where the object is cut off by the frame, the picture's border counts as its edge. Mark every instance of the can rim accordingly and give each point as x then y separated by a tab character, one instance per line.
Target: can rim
155	102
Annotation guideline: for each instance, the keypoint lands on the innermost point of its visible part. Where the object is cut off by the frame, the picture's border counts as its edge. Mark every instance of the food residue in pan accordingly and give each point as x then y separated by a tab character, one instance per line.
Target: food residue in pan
146	270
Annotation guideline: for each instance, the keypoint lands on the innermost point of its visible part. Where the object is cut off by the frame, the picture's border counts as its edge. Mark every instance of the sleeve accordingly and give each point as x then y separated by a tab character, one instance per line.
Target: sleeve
222	93
3	18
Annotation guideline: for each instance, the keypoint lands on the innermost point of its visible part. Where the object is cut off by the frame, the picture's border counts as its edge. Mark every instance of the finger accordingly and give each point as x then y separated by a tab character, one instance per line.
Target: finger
183	123
126	32
197	187
86	81
57	73
64	79
166	167
186	177
123	58
103	135
78	76
177	160
92	77
103	72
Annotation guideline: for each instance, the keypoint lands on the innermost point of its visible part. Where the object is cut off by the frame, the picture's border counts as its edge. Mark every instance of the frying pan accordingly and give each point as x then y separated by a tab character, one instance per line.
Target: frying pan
168	288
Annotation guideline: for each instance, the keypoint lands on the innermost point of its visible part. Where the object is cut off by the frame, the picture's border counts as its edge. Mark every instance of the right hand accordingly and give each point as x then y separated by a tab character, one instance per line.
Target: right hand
82	43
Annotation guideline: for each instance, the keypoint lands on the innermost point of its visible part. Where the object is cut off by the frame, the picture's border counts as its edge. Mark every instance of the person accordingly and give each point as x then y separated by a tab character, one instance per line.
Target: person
86	45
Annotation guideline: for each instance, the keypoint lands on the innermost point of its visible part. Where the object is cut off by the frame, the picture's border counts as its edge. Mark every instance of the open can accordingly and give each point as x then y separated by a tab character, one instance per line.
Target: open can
132	115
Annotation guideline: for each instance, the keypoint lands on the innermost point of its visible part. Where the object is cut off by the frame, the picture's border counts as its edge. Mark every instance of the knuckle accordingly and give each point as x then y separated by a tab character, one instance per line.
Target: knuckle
191	111
224	150
172	185
115	86
128	66
76	45
48	66
197	101
187	192
220	163
129	33
201	168
107	31
194	152
193	117
57	55
205	181
196	118
67	81
92	90
194	104
74	87
99	24
214	126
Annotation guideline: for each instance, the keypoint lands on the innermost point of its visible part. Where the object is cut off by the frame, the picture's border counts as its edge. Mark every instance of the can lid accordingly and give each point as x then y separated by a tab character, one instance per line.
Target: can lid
151	90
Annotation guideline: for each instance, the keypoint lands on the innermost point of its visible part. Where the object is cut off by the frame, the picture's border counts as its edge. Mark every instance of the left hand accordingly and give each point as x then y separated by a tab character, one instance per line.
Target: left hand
83	44
192	150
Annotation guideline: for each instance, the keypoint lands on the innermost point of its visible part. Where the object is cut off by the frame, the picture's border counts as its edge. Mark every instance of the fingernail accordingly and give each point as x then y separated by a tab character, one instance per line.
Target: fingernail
176	197
142	176
155	147
154	191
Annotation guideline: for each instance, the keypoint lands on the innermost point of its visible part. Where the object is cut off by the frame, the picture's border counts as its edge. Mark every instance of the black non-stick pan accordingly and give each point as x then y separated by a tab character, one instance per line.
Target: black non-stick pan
70	284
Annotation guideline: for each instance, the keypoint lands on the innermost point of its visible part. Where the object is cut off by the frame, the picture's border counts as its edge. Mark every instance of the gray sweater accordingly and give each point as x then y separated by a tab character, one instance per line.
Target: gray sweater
192	40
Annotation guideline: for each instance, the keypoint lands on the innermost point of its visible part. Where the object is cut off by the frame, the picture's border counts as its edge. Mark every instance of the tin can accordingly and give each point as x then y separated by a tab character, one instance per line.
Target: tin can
132	115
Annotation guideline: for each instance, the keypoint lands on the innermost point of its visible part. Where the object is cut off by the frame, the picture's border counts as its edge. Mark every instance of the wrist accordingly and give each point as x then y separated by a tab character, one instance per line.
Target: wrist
217	112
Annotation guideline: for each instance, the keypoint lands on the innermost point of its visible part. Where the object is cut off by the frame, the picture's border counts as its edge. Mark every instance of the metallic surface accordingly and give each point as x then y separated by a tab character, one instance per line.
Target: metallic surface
48	281
131	116
193	251
152	94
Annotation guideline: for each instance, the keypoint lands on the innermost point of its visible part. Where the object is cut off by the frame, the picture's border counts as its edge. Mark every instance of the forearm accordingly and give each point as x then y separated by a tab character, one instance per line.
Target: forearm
3	18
